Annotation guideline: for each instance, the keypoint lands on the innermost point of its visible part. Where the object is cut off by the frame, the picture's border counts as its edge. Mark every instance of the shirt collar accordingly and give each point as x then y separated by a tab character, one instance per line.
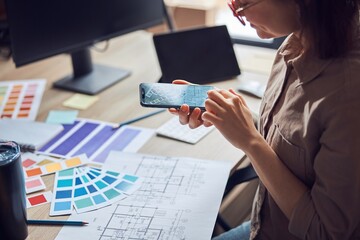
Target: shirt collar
307	65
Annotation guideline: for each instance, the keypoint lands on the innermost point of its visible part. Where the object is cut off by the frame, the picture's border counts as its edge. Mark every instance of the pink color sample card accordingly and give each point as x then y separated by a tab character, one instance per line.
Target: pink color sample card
34	184
21	99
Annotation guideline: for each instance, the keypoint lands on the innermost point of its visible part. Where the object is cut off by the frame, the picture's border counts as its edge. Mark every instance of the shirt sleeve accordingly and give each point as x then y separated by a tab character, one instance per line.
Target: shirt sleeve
330	209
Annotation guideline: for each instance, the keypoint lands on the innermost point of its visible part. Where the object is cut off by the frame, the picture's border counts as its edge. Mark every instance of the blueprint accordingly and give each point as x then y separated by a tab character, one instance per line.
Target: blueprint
179	199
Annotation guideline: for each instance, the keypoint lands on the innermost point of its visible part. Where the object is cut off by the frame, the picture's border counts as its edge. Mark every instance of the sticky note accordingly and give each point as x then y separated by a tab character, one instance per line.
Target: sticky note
62	117
80	101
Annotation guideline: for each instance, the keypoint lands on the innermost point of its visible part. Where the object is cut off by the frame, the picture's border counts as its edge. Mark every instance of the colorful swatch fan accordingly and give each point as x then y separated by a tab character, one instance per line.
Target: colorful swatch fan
87	189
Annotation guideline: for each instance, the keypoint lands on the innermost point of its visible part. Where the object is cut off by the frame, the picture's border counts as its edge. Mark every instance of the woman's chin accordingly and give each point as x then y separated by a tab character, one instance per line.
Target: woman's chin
263	34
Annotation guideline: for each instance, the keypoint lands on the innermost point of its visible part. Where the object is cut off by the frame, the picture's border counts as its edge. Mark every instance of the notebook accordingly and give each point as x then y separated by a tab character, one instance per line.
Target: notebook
173	129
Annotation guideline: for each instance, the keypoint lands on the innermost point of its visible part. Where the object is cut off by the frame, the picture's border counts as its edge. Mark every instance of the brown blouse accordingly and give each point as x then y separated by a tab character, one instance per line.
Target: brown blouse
310	115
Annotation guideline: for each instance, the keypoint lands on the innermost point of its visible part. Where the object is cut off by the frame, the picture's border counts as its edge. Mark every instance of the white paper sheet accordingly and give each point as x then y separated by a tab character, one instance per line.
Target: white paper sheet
179	199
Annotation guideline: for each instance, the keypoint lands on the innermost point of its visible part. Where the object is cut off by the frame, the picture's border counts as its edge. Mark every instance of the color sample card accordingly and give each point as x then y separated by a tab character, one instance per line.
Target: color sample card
56	166
80	101
31	160
96	139
21	99
38	199
87	189
62	202
34	184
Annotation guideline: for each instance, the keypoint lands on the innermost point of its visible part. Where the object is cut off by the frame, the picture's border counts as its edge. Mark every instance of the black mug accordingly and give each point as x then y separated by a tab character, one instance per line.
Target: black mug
13	222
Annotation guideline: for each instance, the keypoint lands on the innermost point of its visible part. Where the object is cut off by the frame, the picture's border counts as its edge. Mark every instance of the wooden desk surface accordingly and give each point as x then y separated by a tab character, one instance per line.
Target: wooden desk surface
135	52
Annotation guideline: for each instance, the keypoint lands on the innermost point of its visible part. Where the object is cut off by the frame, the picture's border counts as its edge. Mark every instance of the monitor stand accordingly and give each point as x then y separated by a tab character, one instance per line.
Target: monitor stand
89	78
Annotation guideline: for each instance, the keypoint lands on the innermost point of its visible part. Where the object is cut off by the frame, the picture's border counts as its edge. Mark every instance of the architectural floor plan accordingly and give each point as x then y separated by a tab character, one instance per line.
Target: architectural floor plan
179	199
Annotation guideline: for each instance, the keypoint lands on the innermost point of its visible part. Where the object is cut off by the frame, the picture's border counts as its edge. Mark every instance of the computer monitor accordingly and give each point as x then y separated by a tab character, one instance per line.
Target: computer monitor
43	28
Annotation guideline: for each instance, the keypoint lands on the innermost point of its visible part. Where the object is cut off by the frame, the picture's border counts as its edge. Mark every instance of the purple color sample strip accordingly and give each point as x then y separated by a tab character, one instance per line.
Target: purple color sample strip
67	128
119	143
65	147
96	142
104	135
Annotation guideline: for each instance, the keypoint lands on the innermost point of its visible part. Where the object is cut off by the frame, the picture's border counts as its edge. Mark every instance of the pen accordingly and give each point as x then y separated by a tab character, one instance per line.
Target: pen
56	222
138	118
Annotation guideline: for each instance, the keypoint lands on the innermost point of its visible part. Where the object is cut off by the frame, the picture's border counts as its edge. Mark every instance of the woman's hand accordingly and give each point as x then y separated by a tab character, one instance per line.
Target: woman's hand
186	116
228	112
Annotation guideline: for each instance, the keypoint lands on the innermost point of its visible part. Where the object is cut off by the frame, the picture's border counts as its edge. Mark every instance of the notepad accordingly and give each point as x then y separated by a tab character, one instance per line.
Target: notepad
28	132
173	129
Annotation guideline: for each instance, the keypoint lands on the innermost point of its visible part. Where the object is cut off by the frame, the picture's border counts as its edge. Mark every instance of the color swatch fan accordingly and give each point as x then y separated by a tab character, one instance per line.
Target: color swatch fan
88	189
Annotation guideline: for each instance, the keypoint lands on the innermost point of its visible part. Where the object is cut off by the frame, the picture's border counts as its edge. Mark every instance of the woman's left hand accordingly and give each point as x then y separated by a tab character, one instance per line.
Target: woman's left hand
228	112
187	116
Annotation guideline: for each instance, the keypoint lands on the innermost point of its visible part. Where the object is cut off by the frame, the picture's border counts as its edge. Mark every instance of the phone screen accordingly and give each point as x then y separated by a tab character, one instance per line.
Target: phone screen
166	95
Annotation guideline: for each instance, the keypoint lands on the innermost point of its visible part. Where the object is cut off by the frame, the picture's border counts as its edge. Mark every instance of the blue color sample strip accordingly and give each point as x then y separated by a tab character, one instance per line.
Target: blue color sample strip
62	202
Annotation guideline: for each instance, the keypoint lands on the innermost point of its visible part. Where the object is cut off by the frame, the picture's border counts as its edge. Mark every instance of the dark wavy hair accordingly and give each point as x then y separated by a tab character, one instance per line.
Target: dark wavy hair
329	25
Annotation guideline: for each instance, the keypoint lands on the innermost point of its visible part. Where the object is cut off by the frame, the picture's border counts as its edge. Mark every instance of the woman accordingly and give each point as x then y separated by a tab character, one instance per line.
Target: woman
306	150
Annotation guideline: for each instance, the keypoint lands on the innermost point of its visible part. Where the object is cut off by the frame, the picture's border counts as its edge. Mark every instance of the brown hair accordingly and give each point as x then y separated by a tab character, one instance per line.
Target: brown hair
328	25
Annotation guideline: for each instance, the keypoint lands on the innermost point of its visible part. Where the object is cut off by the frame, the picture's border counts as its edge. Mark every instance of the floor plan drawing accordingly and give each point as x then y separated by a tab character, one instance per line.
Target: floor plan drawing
179	199
133	222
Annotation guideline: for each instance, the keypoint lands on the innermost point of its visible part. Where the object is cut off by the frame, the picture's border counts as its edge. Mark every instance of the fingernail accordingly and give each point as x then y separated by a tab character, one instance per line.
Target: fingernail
183	108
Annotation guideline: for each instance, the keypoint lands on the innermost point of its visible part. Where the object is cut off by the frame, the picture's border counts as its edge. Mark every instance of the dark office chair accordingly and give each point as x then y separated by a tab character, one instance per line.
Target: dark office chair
240	175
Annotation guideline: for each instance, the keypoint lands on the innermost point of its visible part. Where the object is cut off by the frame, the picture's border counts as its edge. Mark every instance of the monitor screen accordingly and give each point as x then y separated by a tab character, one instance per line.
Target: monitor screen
43	28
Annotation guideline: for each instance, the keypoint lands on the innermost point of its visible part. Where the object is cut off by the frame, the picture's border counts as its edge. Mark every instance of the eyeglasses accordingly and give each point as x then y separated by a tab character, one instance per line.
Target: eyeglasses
237	10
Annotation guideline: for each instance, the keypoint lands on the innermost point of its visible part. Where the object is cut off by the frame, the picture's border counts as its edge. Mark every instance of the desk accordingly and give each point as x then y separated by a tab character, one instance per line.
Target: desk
133	51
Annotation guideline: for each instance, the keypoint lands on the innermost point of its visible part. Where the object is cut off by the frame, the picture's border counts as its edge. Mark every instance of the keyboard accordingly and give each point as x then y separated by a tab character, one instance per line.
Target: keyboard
174	130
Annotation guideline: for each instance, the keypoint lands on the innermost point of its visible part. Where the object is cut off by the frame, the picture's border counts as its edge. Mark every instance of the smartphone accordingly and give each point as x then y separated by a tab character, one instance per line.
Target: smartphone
167	95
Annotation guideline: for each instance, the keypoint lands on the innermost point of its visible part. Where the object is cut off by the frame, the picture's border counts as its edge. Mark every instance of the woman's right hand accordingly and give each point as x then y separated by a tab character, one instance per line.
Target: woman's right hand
187	116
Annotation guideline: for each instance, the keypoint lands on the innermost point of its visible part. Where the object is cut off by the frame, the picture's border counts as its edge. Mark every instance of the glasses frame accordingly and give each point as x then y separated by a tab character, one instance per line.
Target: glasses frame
238	10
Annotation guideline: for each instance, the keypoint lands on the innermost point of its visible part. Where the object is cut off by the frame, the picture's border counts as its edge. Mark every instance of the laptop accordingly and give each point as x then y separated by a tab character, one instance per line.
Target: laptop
198	55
